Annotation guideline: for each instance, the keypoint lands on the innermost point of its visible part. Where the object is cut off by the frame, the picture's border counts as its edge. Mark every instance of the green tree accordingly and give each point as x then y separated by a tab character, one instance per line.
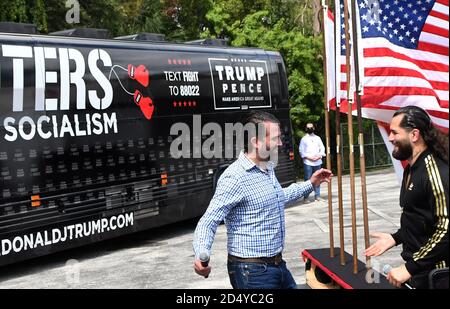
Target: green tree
39	15
25	11
150	17
185	19
56	15
306	16
140	16
13	10
226	14
108	14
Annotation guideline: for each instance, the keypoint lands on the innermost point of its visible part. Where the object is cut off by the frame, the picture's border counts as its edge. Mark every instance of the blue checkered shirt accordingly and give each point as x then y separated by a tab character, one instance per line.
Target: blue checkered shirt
251	202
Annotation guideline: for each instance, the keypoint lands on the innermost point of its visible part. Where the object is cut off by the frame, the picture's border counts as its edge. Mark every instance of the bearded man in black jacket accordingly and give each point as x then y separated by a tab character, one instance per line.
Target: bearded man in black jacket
423	198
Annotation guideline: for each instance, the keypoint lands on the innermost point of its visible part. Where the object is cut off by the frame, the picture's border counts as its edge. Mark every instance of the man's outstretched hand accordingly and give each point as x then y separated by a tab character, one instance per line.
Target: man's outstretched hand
384	242
322	175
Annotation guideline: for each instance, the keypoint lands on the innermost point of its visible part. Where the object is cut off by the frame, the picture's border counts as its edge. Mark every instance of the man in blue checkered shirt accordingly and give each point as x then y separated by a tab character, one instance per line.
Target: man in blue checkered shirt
251	201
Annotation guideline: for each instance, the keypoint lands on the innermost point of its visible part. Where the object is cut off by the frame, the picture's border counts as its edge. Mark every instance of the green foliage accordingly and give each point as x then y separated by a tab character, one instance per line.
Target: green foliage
55	15
149	18
39	16
119	17
23	11
15	11
102	14
185	19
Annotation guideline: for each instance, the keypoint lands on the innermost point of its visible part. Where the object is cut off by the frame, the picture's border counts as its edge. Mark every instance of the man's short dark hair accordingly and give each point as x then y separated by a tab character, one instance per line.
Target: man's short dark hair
256	118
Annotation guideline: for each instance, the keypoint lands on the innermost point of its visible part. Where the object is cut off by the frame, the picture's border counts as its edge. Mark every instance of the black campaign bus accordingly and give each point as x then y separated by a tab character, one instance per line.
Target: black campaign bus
87	125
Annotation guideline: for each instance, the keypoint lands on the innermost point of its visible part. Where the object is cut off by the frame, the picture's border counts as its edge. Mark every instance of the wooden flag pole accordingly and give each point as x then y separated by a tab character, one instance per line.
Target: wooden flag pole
362	158
350	139
337	54
339	180
327	129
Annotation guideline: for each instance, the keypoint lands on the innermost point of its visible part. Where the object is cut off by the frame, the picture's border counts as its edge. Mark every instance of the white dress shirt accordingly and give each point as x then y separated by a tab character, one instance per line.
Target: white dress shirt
310	146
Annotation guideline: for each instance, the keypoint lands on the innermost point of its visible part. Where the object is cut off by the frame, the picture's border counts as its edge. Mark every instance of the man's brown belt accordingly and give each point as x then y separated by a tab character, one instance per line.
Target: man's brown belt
262	260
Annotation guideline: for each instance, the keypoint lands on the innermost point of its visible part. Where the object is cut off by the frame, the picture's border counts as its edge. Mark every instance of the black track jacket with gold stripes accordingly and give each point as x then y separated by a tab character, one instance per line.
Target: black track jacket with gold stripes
424	219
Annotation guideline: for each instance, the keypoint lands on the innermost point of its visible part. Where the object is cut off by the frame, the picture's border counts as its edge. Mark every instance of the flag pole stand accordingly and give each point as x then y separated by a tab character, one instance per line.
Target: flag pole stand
326	272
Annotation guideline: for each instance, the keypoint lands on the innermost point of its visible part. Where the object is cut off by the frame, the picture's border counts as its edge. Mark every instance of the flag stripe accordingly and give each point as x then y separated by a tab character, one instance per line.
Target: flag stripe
439	15
426	65
442	8
435	30
381	100
385	111
442	94
386	71
331	18
433	39
390	62
438	22
388	110
439	114
395	102
398	90
413	54
443	2
396	81
433	48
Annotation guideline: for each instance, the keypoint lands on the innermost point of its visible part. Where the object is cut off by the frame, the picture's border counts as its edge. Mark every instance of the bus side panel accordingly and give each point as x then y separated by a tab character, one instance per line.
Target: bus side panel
86	154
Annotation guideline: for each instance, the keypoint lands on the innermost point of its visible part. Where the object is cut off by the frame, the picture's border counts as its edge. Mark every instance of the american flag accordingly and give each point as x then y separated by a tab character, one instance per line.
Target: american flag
404	56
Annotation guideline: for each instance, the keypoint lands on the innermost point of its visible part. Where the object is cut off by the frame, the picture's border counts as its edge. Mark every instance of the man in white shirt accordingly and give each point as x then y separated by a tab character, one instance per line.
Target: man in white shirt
311	150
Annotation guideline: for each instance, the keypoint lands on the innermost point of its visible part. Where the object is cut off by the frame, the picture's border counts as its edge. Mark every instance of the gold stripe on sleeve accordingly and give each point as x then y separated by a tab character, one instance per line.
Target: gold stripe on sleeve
441	210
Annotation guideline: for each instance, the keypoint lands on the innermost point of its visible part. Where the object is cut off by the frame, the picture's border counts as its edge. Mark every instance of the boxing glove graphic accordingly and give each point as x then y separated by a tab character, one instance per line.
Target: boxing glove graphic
145	103
140	74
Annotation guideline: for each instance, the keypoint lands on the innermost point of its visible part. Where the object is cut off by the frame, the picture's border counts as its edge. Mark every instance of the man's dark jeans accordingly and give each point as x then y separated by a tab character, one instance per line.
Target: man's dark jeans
309	170
245	275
